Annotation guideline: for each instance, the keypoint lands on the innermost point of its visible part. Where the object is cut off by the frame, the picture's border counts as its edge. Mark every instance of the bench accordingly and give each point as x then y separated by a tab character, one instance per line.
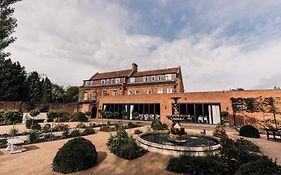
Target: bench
274	132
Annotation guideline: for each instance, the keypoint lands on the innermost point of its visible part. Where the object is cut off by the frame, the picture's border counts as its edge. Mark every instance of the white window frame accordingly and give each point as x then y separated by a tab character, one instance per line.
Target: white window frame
168	77
169	90
132	80
103	82
160	91
130	92
145	79
158	78
117	80
153	78
114	92
103	93
137	92
149	91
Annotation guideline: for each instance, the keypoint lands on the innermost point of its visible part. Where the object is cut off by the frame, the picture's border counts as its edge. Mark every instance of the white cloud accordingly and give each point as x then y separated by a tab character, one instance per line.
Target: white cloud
71	40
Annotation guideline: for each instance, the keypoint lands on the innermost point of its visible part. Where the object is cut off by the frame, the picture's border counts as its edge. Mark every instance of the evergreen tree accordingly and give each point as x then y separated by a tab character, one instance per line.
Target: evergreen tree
71	94
7	26
57	93
47	90
34	86
12	81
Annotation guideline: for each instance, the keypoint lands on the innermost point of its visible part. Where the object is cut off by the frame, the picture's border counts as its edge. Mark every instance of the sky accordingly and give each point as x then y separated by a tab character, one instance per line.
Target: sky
219	44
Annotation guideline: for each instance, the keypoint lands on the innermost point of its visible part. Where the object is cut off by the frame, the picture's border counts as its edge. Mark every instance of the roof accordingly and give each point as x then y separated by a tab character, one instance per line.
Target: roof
128	73
114	74
157	72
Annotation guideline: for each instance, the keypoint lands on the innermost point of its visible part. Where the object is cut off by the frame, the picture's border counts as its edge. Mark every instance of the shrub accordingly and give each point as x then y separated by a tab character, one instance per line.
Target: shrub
157	125
33	136
75	133
107	128
247	145
13	116
106	114
36	126
88	113
124	146
34	112
132	125
65	133
46	128
61	127
78	117
116	114
14	131
3	143
30	122
259	167
2	118
49	136
193	165
88	131
249	131
77	154
80	125
137	131
219	132
60	116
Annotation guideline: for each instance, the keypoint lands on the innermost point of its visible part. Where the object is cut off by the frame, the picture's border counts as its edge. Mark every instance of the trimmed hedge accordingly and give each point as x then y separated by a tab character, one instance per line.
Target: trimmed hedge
259	167
77	154
249	131
158	125
193	165
78	117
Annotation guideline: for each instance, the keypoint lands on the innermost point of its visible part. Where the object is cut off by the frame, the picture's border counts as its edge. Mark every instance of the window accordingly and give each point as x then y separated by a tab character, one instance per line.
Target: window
132	80
149	91
104	93
160	91
108	81
153	78
92	83
94	97
117	80
158	78
112	81
130	92
86	96
169	90
114	92
168	77
145	79
137	92
103	82
87	83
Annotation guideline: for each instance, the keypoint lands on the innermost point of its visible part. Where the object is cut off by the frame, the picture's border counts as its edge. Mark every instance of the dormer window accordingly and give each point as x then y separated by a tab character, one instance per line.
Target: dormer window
158	78
117	80
103	82
132	80
112	81
137	92
169	90
160	91
145	79
149	91
153	78
168	77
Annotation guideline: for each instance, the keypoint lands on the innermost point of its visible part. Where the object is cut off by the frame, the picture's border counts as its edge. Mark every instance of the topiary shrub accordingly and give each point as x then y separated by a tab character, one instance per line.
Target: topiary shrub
137	131
46	128
60	127
197	165
36	126
13	116
33	136
34	112
77	154
249	131
78	117
259	167
124	146
219	132
3	143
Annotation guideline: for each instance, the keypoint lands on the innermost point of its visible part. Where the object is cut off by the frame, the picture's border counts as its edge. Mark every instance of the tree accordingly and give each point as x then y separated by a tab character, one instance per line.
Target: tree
7	26
57	93
47	90
34	85
12	80
71	94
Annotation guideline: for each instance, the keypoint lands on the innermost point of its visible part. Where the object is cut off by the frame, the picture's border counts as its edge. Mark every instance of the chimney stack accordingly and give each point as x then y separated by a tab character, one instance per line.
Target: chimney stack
135	67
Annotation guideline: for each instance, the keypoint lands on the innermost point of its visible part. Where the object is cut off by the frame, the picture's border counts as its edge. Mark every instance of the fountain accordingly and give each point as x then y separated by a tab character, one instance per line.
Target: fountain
177	141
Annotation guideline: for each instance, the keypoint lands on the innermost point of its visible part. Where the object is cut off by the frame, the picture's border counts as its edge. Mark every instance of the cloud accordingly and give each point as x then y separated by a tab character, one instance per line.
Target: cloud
219	45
